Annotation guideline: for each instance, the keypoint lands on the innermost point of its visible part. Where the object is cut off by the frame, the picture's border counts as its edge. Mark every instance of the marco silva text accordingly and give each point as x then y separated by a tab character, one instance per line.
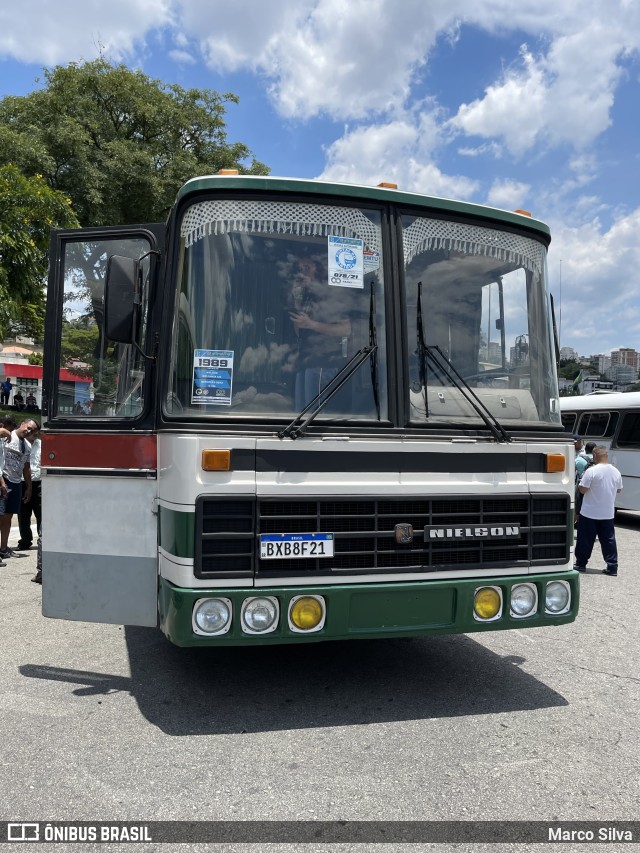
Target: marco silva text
600	833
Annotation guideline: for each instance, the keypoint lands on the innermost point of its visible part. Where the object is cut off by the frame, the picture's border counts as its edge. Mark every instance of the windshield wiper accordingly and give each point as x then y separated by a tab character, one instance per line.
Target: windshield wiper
442	363
373	346
443	368
299	424
422	351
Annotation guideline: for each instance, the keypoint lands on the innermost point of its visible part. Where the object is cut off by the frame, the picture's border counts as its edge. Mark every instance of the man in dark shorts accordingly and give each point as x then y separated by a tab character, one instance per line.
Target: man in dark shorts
17	451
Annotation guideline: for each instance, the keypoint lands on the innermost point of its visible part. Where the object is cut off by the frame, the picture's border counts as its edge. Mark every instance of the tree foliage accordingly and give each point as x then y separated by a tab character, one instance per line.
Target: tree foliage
29	208
117	142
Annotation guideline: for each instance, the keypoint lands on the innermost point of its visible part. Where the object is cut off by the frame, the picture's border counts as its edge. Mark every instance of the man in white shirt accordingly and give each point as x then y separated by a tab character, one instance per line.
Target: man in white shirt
34	505
599	484
16	466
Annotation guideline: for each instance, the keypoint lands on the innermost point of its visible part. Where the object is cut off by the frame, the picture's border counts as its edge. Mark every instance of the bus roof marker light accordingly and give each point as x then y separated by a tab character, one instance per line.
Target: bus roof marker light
228	172
216	460
522	212
388	185
556	463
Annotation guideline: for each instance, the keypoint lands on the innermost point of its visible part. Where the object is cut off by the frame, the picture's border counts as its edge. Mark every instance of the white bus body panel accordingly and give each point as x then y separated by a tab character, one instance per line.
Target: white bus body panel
99	549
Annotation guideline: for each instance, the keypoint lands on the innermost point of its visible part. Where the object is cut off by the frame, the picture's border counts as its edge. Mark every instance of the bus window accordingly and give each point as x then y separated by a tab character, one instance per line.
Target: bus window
569	421
98	377
629	435
598	424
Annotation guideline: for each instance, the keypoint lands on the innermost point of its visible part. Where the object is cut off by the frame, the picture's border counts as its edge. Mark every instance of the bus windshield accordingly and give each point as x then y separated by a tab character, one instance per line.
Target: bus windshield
273	299
477	312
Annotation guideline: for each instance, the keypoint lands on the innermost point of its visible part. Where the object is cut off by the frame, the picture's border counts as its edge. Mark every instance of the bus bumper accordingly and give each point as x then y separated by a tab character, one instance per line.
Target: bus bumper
372	610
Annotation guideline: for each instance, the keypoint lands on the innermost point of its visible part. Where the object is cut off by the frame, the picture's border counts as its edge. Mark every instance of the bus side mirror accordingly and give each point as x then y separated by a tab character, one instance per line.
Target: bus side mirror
119	298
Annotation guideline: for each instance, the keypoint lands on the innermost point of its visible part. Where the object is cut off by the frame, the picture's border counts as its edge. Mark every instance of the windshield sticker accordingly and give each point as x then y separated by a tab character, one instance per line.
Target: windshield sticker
346	262
371	261
212	377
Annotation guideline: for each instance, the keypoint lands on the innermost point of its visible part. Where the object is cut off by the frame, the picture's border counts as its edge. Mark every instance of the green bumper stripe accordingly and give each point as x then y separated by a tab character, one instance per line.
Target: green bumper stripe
353	611
177	532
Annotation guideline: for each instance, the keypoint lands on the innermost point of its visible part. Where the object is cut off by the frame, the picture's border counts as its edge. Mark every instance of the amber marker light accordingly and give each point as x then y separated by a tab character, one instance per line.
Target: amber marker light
216	460
522	212
556	463
228	172
388	185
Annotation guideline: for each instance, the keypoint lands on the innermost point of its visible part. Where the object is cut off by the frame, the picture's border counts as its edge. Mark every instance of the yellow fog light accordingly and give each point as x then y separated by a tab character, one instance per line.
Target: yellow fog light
306	613
487	603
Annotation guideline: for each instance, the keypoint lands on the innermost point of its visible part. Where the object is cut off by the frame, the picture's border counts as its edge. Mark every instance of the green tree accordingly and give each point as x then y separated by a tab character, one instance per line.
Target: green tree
117	142
29	208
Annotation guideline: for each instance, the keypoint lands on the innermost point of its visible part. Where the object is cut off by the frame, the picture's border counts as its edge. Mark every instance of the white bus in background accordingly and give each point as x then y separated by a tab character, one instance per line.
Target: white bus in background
612	420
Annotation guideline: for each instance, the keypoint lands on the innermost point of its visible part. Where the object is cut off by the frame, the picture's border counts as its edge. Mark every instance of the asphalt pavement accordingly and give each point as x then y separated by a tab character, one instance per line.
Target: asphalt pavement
101	722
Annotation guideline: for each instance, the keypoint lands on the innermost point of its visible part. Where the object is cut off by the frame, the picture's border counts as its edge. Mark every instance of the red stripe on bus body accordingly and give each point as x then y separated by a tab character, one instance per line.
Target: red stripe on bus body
98	450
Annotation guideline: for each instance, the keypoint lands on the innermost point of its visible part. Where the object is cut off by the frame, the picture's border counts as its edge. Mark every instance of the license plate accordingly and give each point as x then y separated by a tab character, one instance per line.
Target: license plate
295	546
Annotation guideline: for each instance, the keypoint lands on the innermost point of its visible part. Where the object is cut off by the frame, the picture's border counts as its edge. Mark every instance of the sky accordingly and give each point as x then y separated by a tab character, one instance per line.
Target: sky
532	104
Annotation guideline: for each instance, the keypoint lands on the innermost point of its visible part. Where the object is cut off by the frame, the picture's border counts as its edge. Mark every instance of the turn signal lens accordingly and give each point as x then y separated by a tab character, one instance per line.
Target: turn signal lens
307	613
216	460
556	462
487	603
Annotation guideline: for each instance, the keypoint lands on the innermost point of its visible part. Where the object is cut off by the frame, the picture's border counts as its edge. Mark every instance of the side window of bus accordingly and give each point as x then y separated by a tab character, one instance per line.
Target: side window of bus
569	421
629	435
598	424
97	377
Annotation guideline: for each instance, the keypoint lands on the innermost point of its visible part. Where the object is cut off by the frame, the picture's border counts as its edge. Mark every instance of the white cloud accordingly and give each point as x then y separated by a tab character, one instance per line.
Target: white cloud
52	33
564	96
599	282
513	110
346	59
182	57
401	152
508	194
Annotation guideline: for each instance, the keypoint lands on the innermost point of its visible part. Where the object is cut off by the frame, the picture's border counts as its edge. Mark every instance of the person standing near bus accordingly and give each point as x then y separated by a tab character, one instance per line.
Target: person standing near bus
34	504
599	485
17	452
5	391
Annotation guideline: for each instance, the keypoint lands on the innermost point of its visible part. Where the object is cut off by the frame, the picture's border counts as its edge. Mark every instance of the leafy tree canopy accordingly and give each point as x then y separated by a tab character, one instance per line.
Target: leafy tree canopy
29	208
117	142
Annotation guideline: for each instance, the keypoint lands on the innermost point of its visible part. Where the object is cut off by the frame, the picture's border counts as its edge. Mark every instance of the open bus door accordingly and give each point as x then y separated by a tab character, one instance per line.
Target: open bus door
99	544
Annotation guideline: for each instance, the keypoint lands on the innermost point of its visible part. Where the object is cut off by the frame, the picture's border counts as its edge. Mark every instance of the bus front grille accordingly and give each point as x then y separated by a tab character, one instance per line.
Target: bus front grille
365	540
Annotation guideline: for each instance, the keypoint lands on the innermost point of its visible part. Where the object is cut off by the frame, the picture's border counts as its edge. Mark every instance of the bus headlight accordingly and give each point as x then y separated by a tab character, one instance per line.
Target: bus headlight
487	603
211	616
306	613
557	597
524	600
259	615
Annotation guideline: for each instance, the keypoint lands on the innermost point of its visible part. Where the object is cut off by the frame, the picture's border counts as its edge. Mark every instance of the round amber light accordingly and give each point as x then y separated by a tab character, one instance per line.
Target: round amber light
307	613
487	603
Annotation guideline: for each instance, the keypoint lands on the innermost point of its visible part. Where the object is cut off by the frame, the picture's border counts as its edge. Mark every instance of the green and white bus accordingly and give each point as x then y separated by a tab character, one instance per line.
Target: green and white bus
318	411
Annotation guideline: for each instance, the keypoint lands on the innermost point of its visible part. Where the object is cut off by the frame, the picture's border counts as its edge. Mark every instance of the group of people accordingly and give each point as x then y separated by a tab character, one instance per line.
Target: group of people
30	404
20	487
597	484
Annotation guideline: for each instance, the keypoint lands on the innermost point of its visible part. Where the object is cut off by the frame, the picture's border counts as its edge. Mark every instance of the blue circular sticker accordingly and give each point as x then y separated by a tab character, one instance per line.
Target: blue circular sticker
346	259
